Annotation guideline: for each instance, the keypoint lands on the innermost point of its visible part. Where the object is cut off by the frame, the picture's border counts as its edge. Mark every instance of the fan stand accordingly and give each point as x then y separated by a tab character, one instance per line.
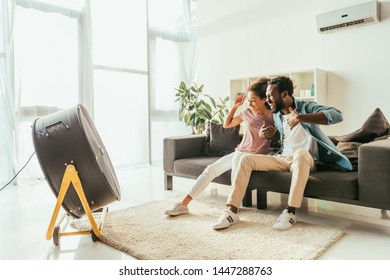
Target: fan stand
71	177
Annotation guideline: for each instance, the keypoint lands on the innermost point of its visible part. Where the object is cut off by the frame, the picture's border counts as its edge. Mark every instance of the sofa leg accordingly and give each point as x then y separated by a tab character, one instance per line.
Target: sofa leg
247	200
168	182
384	214
261	199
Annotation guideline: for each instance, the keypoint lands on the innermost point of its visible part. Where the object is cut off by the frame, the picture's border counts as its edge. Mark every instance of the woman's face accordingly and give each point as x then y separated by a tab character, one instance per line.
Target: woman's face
255	103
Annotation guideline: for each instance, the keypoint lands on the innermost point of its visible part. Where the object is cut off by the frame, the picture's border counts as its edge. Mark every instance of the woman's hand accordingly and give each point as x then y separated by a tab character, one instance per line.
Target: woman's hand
240	99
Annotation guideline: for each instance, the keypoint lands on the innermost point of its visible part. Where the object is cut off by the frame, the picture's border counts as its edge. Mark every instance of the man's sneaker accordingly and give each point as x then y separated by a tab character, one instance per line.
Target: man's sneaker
227	219
285	221
177	209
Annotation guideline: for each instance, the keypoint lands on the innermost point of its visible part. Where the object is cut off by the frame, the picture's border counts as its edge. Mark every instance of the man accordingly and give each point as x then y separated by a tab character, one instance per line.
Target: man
303	144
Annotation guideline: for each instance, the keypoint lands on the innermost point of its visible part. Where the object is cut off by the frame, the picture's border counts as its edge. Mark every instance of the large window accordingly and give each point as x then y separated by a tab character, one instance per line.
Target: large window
172	48
121	59
46	58
46	70
120	79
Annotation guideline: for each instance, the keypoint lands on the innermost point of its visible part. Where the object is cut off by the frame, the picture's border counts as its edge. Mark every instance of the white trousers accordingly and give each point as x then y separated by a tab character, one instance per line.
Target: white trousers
300	165
215	169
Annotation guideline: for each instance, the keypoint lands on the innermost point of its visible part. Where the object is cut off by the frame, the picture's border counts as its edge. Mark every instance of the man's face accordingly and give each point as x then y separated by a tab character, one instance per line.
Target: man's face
274	98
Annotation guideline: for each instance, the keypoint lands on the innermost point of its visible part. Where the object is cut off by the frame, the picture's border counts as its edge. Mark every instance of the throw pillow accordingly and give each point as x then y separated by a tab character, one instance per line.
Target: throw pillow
221	141
350	150
376	125
383	137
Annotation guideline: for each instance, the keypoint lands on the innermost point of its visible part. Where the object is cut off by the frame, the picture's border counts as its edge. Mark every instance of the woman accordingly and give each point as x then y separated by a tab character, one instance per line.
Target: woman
256	116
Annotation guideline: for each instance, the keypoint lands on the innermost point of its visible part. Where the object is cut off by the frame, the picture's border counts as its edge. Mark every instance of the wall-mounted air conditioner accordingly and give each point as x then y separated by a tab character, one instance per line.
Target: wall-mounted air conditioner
353	16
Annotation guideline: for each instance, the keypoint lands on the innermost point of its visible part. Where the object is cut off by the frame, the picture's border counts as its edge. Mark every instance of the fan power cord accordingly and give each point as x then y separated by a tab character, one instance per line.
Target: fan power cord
3	187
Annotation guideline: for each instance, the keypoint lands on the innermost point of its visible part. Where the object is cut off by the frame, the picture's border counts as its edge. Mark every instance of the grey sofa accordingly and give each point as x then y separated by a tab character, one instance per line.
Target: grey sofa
368	186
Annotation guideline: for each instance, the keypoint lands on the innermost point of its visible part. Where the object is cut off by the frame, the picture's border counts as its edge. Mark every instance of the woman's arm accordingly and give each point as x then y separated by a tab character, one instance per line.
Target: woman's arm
230	120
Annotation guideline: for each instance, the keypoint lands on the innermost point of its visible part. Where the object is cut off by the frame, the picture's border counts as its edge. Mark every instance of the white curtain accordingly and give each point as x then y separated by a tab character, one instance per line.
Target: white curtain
47	69
7	116
121	59
119	36
173	58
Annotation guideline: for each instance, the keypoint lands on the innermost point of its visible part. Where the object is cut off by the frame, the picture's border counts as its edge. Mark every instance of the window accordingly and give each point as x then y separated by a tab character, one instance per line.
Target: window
104	55
46	70
121	79
172	48
46	59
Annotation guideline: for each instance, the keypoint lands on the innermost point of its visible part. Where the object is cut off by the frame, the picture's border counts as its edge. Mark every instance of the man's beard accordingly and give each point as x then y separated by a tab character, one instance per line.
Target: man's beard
278	107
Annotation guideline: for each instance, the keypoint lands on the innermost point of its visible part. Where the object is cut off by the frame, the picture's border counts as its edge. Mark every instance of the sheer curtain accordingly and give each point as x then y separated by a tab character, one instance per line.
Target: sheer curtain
173	57
7	119
119	36
49	73
121	59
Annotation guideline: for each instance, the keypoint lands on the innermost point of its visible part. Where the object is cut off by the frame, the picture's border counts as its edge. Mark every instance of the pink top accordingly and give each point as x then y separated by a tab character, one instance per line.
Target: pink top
251	142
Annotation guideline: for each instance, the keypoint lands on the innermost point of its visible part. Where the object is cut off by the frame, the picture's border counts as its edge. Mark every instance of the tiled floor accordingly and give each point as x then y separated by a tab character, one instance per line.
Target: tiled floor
26	213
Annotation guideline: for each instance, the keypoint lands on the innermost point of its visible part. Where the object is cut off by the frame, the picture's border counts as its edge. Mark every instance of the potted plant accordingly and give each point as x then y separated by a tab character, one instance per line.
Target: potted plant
196	108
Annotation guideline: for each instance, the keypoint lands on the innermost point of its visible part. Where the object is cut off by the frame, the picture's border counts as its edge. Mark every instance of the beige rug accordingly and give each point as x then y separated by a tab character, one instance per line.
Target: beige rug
146	233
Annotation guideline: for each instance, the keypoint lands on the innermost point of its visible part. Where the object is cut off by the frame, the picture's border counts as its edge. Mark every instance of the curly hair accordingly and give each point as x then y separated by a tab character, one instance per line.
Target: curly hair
259	88
283	83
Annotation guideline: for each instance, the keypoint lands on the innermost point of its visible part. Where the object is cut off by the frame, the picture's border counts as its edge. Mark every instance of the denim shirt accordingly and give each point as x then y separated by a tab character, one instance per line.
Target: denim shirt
327	151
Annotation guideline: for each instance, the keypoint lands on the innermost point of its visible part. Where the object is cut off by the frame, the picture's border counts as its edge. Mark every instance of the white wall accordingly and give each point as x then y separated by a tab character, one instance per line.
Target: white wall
252	37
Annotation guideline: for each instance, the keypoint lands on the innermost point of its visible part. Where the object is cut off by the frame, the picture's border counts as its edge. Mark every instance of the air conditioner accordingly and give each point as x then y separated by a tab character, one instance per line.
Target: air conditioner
353	16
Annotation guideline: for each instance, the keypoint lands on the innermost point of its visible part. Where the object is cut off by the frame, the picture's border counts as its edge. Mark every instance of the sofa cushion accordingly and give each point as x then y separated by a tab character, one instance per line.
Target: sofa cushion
376	125
193	167
339	184
221	141
383	137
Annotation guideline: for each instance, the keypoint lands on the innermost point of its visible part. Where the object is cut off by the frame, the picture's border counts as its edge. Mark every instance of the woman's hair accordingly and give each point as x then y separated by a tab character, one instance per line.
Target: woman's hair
259	87
284	84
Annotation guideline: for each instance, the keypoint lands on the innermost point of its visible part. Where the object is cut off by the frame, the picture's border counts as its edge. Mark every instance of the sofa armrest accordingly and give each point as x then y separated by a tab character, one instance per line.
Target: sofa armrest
373	173
178	147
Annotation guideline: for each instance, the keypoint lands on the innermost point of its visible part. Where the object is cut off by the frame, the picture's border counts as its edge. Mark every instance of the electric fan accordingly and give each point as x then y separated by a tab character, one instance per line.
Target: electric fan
77	168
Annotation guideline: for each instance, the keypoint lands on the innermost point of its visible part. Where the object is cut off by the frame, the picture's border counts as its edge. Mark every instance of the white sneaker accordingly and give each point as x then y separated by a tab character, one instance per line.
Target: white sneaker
177	209
227	219
285	221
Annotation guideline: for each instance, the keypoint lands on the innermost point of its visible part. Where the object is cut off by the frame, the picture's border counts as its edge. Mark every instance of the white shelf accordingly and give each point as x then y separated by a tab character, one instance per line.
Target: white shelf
303	83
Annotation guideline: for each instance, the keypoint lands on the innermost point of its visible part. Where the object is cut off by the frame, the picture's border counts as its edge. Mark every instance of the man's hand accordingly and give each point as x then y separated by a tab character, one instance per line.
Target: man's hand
267	132
293	118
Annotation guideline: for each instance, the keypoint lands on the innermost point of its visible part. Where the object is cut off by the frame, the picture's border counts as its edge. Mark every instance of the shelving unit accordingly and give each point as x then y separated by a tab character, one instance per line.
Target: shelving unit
308	84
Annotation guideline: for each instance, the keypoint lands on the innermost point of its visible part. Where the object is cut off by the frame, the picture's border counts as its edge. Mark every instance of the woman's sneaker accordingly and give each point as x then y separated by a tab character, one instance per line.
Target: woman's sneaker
227	219
177	209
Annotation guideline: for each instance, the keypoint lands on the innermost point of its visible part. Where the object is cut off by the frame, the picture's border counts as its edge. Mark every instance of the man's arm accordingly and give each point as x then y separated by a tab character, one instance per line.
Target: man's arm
268	132
296	118
315	114
316	118
332	114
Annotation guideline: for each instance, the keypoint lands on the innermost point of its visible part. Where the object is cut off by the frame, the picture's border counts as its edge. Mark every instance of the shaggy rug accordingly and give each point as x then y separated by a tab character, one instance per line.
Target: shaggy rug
146	233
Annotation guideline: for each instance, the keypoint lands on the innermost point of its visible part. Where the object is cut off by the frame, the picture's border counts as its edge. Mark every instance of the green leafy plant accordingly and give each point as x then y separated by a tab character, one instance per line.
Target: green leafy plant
196	108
